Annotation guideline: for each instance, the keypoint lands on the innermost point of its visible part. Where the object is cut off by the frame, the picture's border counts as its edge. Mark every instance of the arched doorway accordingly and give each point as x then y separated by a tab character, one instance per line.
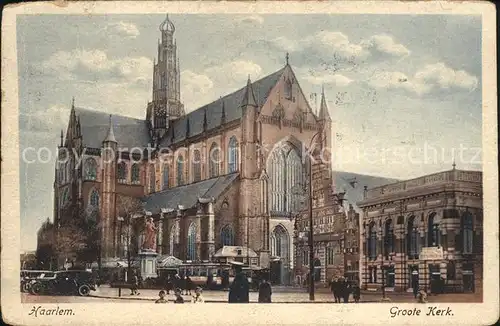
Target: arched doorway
280	256
317	270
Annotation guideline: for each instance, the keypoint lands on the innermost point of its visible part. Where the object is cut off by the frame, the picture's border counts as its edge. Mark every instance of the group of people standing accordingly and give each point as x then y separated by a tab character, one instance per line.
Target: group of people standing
182	283
197	297
239	290
341	289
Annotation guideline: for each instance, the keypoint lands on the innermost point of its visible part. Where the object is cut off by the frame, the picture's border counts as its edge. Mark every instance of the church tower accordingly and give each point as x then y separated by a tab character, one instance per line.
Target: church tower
166	104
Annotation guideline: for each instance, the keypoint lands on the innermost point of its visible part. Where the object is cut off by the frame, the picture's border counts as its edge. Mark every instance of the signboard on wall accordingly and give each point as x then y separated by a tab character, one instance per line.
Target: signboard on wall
431	253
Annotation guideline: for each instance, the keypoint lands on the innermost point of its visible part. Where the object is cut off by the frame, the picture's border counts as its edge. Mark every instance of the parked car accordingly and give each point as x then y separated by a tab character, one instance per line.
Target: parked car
71	282
27	276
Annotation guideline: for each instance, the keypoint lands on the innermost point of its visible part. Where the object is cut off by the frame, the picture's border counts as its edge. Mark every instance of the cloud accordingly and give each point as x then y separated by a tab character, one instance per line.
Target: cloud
431	78
385	44
234	72
95	65
286	43
123	28
335	79
195	89
445	77
339	43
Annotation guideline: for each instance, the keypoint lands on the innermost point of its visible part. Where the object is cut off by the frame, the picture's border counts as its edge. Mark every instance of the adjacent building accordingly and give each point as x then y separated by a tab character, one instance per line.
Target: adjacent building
423	231
336	226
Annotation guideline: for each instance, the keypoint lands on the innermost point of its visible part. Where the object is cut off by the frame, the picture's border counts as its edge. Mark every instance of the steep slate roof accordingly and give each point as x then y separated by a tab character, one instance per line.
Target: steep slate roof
355	194
128	132
233	110
188	195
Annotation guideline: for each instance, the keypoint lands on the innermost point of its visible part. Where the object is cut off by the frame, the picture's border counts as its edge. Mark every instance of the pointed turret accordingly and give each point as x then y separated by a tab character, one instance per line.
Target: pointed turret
323	109
188	129
249	97
110	138
205	119
223	115
62	137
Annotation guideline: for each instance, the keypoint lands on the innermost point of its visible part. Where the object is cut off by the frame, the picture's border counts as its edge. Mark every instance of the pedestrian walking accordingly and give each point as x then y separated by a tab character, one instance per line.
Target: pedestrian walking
239	289
189	285
334	287
346	290
169	285
162	297
178	296
265	291
135	284
415	290
197	297
356	292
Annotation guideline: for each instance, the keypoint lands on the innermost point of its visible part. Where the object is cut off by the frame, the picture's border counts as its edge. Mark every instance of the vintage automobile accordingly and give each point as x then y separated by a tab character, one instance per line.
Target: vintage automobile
27	276
71	282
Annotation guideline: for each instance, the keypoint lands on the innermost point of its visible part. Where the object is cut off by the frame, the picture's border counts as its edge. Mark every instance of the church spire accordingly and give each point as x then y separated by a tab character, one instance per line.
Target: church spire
110	138
223	115
249	98
323	109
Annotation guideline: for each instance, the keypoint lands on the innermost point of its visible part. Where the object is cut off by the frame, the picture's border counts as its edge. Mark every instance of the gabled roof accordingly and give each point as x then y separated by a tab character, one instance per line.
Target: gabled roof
128	132
344	181
188	195
232	107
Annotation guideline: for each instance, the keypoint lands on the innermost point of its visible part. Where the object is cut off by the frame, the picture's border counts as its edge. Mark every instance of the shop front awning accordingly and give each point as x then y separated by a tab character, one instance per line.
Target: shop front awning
168	262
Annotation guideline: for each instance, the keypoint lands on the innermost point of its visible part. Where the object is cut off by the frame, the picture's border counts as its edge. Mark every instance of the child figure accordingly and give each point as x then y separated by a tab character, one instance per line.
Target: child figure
422	296
197	298
178	296
162	297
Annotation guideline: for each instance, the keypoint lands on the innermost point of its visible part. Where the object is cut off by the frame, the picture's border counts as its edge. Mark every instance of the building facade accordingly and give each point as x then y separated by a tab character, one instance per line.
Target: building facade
420	232
222	174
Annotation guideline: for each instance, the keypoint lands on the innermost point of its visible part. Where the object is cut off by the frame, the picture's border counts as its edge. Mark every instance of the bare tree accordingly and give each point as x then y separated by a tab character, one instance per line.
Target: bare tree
70	241
129	209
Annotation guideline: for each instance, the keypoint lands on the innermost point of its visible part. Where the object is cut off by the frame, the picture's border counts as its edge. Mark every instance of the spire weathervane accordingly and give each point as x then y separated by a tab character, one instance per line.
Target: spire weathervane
287	57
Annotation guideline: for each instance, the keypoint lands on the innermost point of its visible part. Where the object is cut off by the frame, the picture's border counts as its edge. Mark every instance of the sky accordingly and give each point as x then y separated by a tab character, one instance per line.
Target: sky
404	91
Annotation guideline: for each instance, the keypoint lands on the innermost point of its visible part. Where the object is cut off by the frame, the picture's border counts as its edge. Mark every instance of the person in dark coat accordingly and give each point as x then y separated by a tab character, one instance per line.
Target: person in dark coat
169	286
356	292
334	287
415	289
265	291
182	284
239	289
189	285
346	291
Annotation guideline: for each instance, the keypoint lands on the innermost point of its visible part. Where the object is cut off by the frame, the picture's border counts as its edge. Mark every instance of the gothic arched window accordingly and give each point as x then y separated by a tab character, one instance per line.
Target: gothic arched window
152	178
135	173
191	242
165	176
233	155
122	172
280	243
388	238
372	241
288	89
432	231
196	166
227	236
214	160
90	169
94	198
285	174
173	230
467	233
412	238
180	170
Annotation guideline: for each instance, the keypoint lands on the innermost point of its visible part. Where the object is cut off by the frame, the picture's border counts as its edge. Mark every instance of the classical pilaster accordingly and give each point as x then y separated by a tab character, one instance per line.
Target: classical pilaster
211	230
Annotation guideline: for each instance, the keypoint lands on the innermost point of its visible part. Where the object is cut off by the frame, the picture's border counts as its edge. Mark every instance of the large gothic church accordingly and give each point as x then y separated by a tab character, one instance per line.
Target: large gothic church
229	173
